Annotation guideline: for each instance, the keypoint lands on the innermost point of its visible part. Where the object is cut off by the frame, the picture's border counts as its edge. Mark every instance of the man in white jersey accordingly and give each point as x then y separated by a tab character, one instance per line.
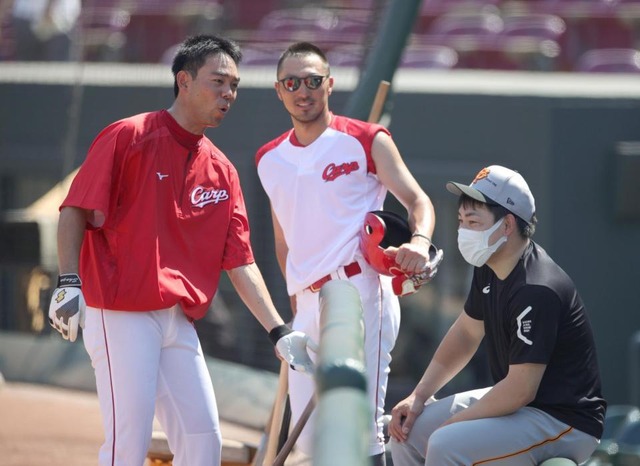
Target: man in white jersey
322	178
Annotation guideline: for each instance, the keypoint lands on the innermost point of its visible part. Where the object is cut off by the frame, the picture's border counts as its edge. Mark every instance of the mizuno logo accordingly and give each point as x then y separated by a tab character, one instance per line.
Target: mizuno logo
486	289
161	176
524	326
200	197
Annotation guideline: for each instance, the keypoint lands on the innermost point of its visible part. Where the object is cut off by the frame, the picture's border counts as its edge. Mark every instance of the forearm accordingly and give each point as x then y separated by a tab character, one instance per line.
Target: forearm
250	286
453	354
421	215
71	227
439	372
515	391
499	401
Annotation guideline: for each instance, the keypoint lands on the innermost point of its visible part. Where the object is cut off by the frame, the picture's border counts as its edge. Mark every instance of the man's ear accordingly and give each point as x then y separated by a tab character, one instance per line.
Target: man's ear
510	224
183	78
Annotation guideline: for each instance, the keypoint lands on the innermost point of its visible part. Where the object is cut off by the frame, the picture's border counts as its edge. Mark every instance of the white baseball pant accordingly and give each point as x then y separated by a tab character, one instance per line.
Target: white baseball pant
148	362
381	321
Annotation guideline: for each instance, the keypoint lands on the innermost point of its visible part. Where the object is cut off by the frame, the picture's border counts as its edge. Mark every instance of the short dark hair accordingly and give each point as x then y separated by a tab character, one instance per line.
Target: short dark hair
301	49
526	229
194	51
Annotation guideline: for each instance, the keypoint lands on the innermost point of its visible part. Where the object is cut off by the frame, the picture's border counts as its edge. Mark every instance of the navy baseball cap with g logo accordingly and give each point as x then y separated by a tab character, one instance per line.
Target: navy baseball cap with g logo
502	186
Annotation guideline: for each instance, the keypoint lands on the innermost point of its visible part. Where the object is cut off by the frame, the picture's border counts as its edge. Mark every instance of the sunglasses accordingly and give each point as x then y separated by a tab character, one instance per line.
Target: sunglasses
312	82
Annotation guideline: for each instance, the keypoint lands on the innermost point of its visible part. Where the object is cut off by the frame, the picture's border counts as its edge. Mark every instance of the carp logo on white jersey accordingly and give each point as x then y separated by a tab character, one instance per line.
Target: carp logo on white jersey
333	171
200	196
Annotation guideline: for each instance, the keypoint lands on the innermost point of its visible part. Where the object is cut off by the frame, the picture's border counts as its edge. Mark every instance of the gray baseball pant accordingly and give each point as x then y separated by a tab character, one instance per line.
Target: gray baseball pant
525	438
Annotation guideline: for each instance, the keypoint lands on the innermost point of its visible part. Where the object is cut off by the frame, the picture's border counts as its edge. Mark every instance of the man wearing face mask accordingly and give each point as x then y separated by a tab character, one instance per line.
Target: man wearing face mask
547	400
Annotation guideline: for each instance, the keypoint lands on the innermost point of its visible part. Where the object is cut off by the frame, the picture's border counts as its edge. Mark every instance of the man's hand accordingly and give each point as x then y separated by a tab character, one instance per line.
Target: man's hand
408	283
67	307
292	346
404	415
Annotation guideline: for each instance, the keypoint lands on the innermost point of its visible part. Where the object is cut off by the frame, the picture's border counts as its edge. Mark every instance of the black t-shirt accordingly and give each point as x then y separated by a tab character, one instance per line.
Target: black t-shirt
536	316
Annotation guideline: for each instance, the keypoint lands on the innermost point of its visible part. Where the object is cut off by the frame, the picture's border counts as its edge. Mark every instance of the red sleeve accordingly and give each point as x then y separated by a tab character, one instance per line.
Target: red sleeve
237	250
363	132
373	130
92	188
270	145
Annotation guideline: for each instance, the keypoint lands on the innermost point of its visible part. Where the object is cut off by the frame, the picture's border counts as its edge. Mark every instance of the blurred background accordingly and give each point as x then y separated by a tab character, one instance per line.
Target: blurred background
550	88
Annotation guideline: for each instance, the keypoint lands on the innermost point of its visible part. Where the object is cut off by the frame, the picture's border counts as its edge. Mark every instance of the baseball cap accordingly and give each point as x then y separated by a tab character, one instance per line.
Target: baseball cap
502	186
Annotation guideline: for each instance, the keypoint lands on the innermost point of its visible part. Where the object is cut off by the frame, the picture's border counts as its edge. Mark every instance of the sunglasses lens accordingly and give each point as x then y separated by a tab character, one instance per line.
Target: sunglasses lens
313	82
291	84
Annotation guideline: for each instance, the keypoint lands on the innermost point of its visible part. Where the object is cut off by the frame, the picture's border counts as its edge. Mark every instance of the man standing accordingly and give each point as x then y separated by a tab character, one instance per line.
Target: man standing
547	400
323	177
153	216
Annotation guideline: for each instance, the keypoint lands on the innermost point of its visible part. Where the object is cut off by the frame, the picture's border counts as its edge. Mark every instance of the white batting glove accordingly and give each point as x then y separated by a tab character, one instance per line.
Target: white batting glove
67	307
292	346
406	284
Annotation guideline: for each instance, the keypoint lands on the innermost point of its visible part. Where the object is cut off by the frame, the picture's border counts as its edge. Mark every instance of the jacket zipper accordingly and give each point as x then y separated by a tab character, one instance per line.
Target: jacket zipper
184	182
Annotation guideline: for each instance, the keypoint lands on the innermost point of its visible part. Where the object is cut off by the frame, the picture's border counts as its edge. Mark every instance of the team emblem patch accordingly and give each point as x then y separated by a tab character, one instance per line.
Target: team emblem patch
333	171
524	326
201	197
482	174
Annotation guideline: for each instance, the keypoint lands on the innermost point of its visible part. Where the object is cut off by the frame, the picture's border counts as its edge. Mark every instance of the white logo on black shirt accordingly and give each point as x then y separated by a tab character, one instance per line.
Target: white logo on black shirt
486	289
524	326
200	197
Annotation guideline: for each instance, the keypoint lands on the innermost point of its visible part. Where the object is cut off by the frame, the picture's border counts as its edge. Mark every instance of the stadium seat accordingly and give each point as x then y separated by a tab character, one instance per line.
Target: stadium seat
328	28
595	32
536	25
7	46
429	57
474	37
262	53
536	38
460	25
437	8
247	14
167	21
610	61
347	55
103	25
430	10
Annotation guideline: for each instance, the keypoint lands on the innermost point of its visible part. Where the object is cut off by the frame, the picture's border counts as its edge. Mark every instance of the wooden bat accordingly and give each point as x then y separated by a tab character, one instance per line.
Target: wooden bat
269	443
295	433
378	103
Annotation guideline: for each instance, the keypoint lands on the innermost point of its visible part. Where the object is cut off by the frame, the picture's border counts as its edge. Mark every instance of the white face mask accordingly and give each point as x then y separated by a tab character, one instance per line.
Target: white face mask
474	245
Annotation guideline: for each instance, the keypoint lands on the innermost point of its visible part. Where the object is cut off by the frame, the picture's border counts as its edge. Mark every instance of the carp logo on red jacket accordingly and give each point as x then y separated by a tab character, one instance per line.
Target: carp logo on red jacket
333	171
200	196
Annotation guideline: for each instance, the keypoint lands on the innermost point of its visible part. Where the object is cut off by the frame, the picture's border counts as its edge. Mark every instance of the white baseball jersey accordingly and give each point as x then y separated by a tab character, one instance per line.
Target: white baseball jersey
320	194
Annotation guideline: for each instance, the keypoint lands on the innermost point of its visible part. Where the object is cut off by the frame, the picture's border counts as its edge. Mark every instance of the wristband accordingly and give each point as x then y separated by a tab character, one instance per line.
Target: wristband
278	332
420	235
69	280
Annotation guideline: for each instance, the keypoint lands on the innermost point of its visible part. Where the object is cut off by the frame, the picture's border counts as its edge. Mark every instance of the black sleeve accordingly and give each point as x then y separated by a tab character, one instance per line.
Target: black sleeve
534	319
472	306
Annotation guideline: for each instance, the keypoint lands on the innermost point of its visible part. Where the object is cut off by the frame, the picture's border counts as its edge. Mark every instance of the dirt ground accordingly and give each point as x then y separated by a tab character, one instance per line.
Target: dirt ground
43	425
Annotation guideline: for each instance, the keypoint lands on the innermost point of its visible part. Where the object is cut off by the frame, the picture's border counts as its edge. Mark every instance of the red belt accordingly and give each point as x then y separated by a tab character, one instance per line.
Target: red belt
349	270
